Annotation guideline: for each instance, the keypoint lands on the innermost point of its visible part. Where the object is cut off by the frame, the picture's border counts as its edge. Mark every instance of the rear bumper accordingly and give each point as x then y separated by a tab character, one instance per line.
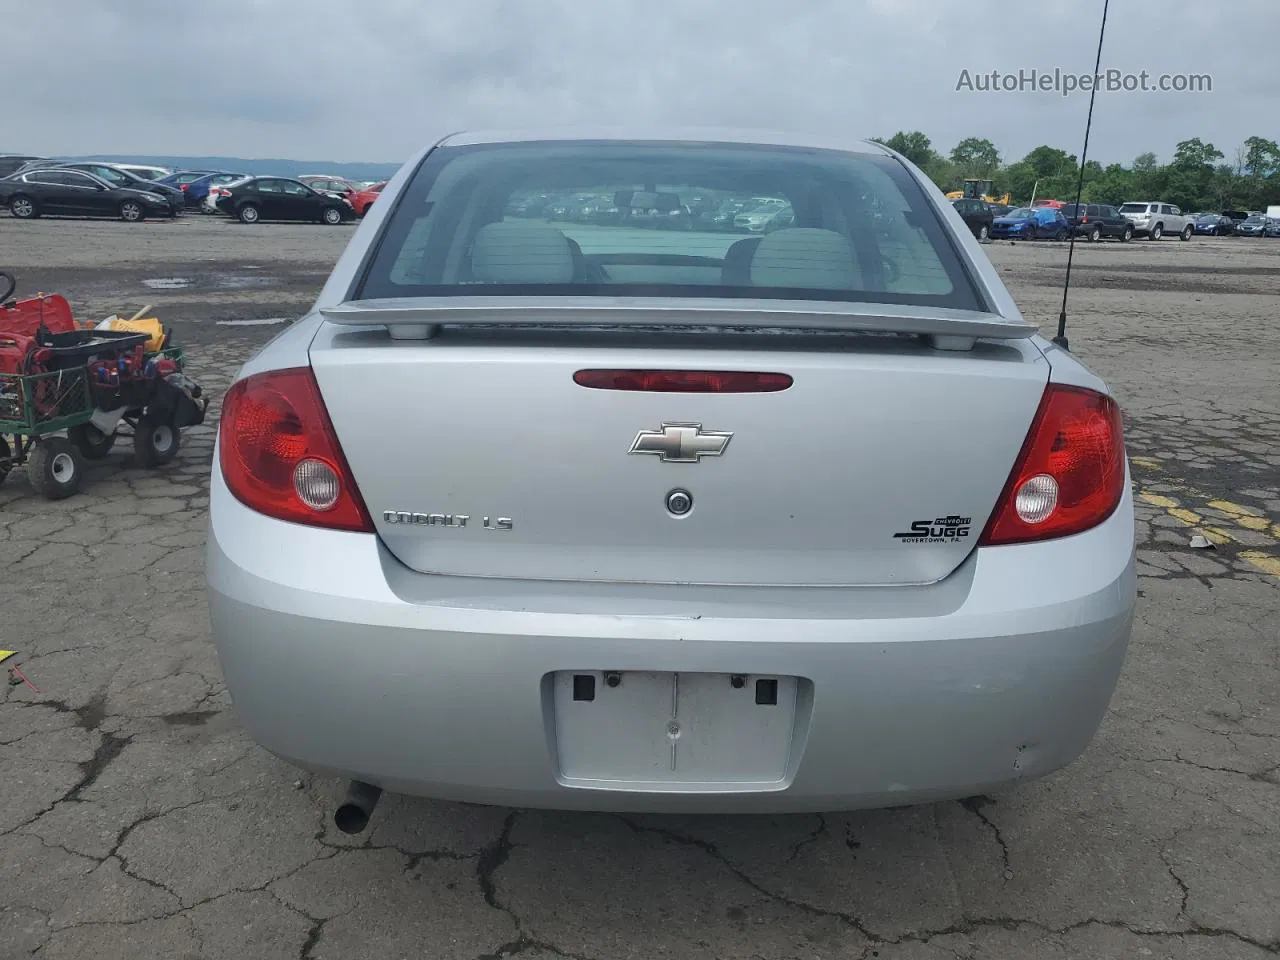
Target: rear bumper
344	662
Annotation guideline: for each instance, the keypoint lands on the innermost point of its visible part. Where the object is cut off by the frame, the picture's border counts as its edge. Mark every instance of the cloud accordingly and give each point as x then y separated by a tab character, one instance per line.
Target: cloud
378	79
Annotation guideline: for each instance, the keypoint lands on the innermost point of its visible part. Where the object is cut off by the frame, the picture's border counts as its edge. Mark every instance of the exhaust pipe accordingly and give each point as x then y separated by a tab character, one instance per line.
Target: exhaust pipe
353	815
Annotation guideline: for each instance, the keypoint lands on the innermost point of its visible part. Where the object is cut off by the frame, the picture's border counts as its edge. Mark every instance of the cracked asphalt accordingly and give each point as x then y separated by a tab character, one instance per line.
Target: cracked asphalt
138	821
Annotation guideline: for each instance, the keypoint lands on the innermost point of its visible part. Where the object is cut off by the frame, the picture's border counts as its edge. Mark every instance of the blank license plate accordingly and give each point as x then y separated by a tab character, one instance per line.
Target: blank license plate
695	728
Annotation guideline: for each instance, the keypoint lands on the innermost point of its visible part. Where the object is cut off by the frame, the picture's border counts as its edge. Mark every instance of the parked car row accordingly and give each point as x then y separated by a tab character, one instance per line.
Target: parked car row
36	186
313	197
988	220
1098	221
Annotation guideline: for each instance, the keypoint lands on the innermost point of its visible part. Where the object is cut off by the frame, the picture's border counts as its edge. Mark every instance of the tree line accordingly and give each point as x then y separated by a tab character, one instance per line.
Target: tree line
1198	178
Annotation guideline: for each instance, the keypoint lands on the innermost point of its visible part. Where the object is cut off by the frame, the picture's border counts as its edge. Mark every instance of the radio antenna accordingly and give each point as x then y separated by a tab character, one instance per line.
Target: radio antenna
1061	338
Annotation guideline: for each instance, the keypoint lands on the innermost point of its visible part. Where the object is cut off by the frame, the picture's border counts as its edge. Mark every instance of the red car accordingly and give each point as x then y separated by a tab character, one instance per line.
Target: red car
362	200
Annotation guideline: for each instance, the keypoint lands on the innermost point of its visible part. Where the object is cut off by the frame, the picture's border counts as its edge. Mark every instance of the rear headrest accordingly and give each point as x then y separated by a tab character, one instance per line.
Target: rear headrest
805	257
514	252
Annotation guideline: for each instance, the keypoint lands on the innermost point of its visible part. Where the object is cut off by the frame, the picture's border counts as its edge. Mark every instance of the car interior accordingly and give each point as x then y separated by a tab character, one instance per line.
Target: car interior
853	235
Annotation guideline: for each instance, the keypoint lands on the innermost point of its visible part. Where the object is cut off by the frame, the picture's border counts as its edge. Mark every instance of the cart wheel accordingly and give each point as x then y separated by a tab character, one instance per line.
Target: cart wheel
92	443
55	469
5	463
155	442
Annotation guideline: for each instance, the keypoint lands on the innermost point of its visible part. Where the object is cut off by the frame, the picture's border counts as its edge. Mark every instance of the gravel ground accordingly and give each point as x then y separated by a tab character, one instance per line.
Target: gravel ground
138	821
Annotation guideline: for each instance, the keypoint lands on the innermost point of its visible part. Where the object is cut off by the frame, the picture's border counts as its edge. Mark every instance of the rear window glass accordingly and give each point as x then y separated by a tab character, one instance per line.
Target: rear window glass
666	220
1134	208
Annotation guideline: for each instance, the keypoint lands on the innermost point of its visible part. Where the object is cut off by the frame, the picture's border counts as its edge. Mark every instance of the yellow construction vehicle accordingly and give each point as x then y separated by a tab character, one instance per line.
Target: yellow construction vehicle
979	190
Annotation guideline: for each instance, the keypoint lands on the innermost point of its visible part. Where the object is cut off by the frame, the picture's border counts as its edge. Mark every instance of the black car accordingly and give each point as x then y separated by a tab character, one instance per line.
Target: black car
977	215
52	190
123	178
276	198
1215	225
1258	225
998	209
1093	221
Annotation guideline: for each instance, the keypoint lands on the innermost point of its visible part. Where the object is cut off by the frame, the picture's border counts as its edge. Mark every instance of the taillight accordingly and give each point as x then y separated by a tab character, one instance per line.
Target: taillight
683	381
1070	474
183	186
279	454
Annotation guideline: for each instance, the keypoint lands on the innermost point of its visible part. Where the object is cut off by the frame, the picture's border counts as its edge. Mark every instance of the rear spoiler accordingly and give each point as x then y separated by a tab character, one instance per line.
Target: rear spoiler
421	318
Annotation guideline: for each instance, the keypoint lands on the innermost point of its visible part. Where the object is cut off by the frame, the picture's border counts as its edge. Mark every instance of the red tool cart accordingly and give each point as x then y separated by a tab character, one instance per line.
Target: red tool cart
67	393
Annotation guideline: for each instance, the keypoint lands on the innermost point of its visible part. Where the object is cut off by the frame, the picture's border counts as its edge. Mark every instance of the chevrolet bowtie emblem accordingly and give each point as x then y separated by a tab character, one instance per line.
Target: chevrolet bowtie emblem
681	442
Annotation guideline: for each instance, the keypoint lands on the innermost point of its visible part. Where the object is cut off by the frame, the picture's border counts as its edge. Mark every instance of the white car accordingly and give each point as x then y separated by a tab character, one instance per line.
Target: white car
144	171
1153	220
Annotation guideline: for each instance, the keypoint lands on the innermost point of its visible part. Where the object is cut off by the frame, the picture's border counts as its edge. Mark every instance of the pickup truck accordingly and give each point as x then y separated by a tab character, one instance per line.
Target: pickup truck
1152	219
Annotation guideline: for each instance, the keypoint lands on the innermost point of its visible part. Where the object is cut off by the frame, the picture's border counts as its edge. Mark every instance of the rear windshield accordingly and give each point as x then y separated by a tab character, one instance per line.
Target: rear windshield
666	220
1134	208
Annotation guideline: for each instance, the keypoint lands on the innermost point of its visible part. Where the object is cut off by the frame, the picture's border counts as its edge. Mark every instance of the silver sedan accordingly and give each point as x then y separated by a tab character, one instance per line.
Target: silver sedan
611	513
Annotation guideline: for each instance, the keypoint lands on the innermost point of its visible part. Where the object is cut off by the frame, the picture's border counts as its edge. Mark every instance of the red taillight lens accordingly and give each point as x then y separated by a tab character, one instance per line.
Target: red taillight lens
683	381
1070	474
280	456
183	186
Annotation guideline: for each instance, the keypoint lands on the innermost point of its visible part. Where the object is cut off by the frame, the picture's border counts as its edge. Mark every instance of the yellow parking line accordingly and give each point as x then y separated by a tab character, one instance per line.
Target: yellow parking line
1263	561
1226	506
1244	517
1247	517
1189	517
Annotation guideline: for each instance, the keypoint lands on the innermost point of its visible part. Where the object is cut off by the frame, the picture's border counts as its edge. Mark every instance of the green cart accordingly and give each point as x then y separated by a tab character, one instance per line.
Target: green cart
55	425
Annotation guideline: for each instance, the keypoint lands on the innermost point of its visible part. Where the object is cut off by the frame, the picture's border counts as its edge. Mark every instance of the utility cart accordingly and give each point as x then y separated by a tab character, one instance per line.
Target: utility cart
65	397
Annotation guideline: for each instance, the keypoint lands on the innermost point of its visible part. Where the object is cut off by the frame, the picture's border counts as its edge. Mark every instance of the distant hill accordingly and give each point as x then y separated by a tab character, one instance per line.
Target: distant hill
283	168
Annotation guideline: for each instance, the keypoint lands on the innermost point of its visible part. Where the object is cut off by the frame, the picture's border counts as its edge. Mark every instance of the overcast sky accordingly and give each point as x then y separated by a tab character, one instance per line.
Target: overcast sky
374	80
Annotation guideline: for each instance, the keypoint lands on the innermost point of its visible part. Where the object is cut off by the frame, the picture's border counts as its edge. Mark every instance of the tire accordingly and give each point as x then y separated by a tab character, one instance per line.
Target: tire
1156	232
1127	235
131	211
1095	234
92	443
155	442
984	232
249	213
55	468
5	463
24	208
1185	235
331	216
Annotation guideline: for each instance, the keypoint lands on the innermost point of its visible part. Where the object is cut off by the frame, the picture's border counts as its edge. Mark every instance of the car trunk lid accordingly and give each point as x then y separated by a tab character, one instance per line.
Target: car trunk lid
478	454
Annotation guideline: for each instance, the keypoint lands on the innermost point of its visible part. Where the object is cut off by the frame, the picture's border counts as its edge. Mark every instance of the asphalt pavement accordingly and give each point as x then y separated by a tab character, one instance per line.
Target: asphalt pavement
138	821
